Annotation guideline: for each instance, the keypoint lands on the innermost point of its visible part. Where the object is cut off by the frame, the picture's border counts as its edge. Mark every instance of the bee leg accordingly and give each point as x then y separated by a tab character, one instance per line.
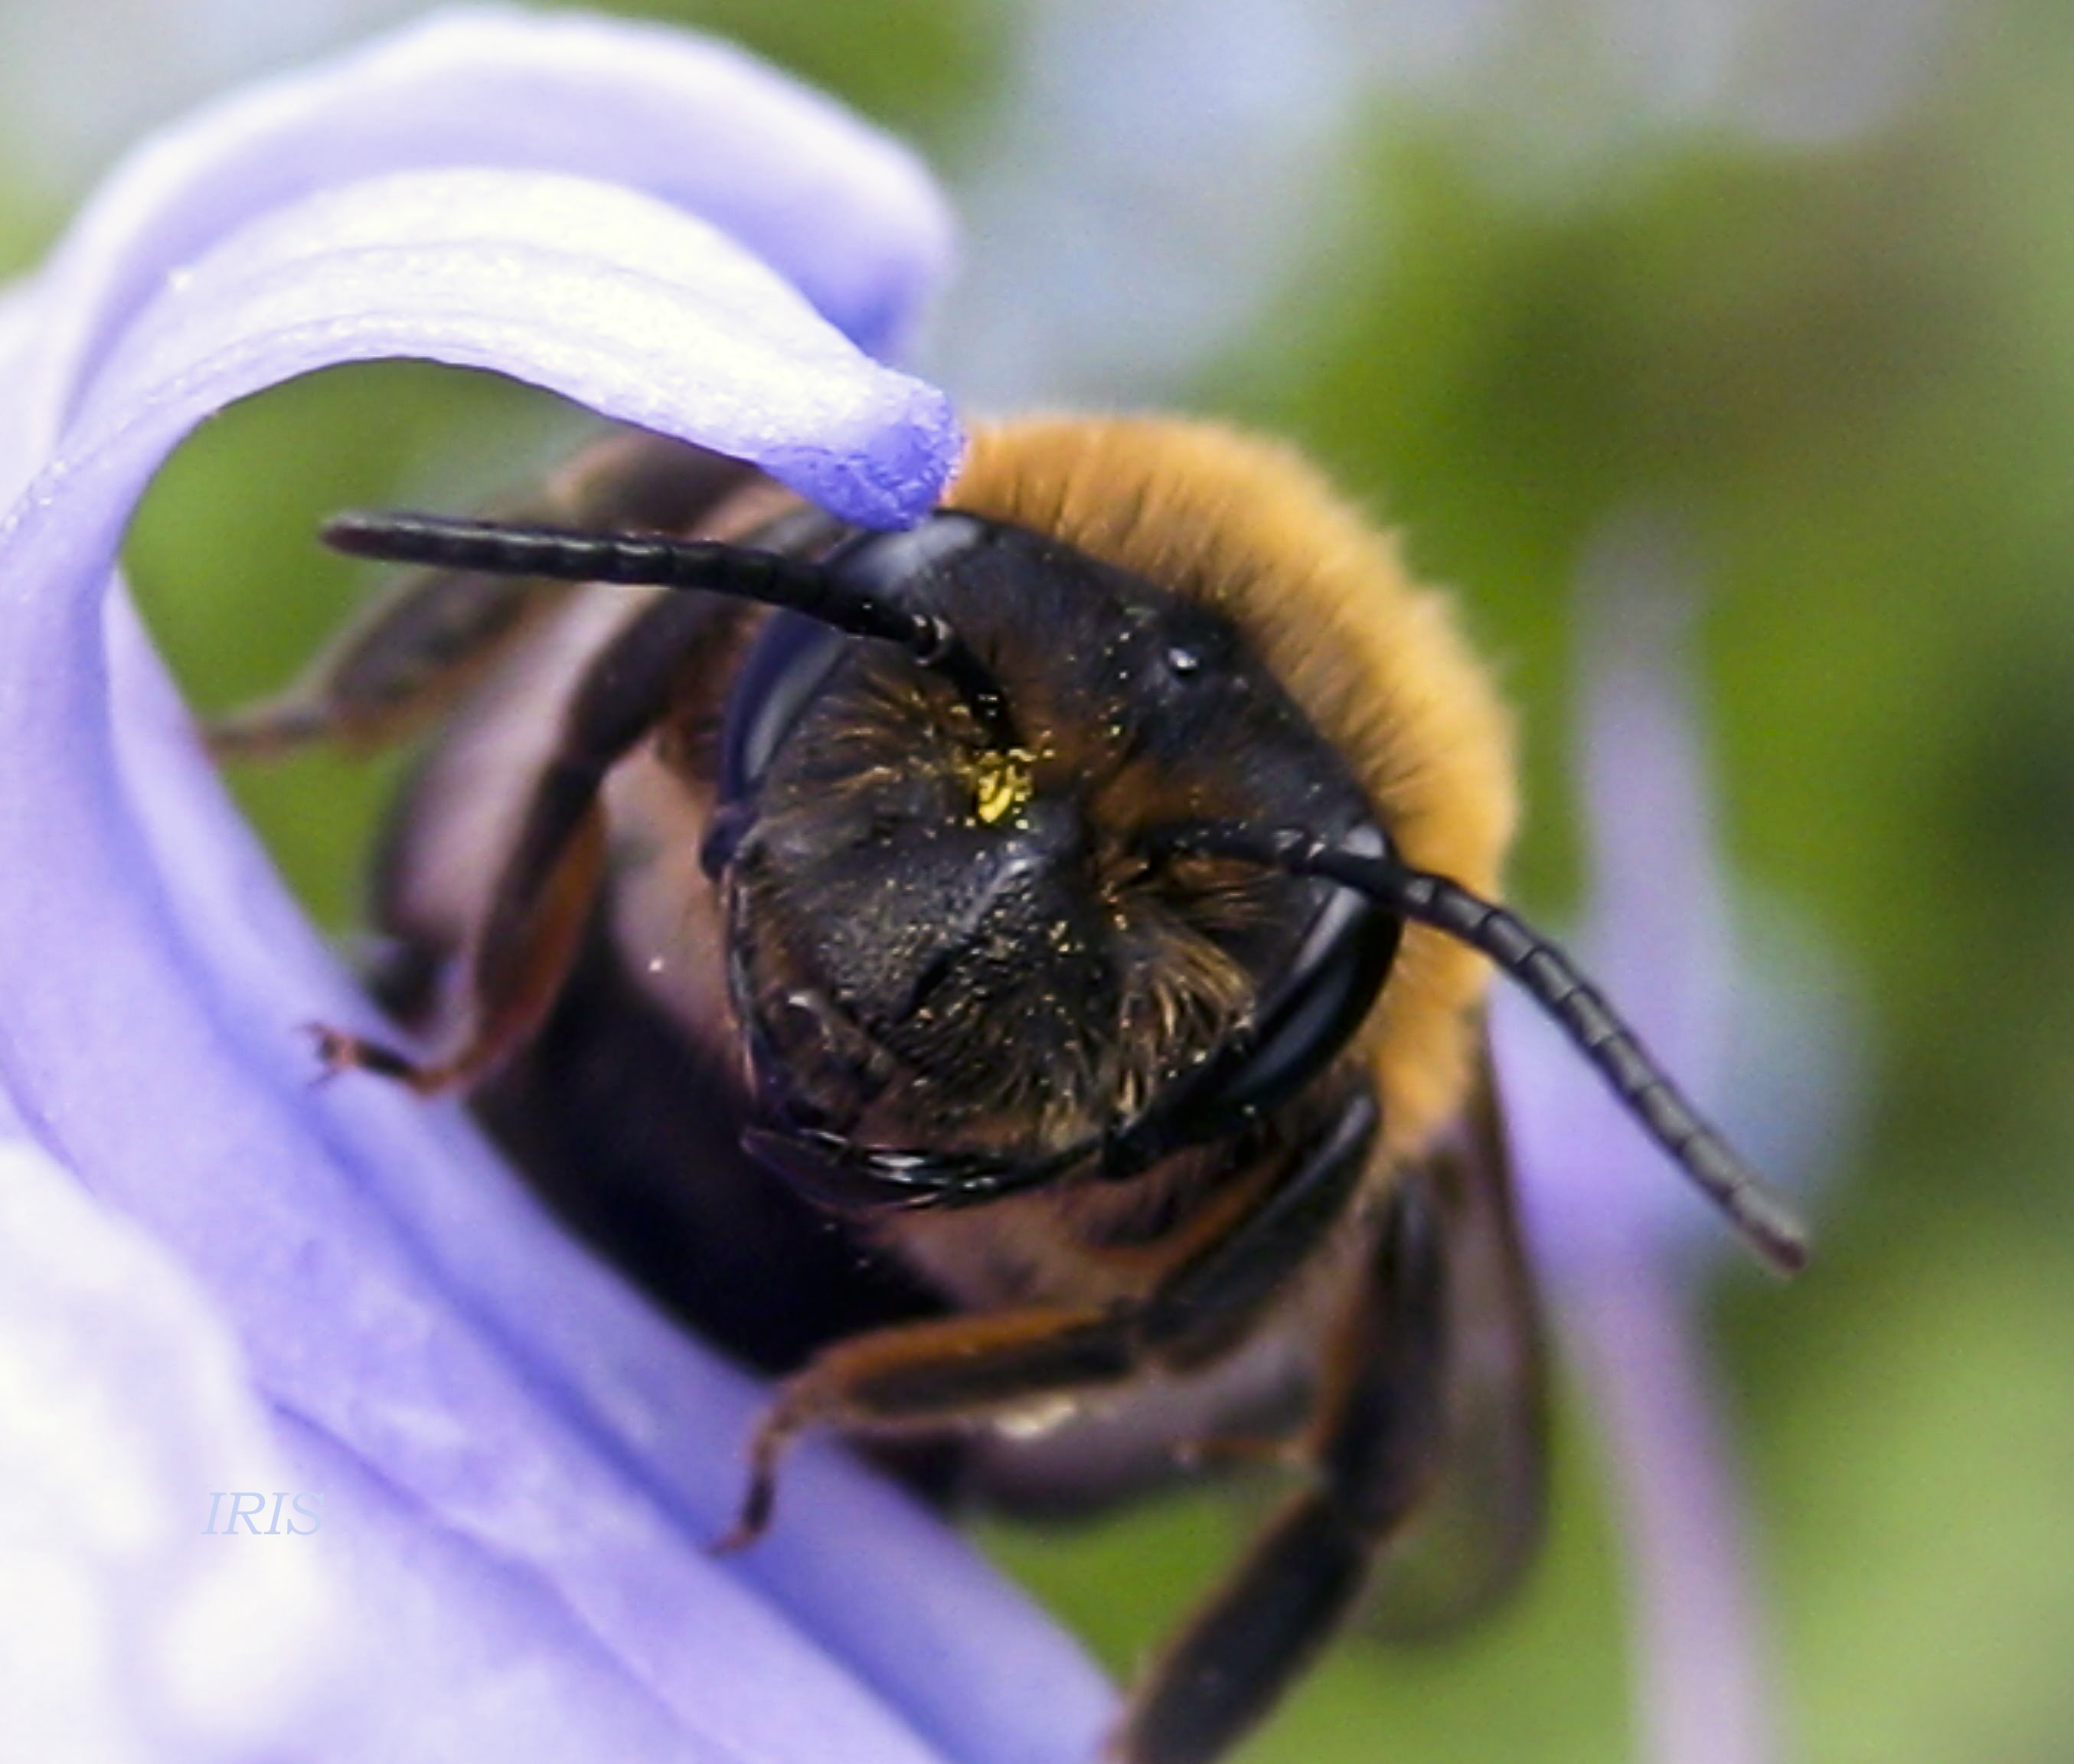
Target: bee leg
1373	1457
416	651
543	899
961	1371
427	641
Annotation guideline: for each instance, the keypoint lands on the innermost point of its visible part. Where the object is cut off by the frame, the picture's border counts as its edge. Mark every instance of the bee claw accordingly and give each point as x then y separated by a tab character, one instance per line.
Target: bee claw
750	1524
333	1049
753	1519
732	1541
339	1050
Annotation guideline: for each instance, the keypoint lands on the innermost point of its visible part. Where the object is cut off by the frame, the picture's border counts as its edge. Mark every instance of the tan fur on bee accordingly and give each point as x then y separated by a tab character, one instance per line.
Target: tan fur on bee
1376	661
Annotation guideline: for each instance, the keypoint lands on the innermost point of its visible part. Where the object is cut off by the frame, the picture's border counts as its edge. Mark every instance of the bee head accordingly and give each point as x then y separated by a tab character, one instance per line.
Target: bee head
1052	875
952	924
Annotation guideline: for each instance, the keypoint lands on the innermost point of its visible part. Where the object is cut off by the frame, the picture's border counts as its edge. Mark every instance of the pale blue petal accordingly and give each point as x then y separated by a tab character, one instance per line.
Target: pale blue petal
125	1634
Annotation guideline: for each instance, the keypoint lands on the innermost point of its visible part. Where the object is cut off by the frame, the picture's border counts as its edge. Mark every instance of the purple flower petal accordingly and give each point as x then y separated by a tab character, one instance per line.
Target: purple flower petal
120	1395
640	311
845	213
526	1459
1703	1681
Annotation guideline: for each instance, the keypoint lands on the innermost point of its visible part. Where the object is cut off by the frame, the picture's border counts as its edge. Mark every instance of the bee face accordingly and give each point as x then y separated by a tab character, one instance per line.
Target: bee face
937	938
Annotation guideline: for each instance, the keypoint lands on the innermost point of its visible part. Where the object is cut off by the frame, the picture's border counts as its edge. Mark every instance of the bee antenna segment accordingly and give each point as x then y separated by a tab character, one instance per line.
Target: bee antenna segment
816	590
1765	1220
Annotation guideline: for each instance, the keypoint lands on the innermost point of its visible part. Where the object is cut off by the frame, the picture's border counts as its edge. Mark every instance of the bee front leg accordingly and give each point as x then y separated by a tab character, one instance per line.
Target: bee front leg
543	899
536	928
963	1371
1374	1454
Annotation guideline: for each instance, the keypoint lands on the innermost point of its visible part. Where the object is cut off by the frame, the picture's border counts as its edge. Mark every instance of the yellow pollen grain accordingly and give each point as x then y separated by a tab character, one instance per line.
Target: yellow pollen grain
1002	784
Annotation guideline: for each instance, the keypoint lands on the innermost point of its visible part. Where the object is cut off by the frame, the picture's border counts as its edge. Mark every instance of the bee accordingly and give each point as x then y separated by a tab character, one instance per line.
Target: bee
1019	980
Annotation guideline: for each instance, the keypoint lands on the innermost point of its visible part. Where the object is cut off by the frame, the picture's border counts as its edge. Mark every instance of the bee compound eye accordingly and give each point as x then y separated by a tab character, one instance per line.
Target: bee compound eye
794	655
785	668
725	833
888	565
1305	1017
1322	999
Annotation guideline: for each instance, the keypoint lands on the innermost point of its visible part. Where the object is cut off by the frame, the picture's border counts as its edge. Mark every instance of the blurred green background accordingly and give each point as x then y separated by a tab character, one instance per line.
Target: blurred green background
1802	276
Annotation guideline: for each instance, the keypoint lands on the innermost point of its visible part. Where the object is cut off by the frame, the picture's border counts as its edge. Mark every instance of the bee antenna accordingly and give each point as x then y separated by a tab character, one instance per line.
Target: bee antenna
770	578
1765	1220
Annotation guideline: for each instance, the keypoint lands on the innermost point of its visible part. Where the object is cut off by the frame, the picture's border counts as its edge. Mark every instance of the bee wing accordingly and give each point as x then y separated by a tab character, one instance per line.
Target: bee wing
1480	1525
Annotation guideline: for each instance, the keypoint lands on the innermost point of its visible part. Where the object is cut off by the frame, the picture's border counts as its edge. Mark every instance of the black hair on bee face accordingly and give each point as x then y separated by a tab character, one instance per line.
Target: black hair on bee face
1038	982
1051	873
